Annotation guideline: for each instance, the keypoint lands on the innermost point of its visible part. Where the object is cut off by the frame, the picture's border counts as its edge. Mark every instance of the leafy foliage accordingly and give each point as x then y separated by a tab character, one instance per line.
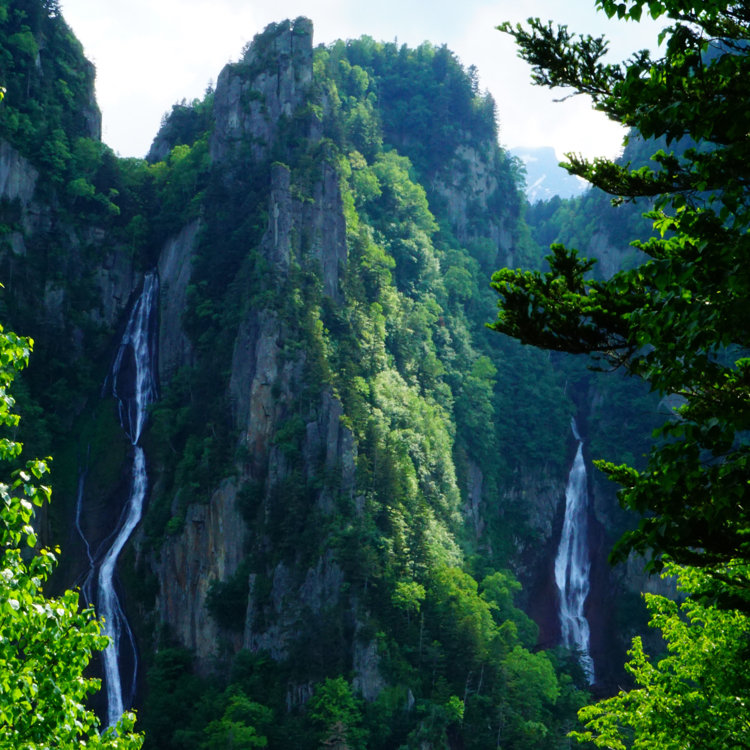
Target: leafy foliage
414	86
48	84
694	695
391	338
46	642
675	320
336	713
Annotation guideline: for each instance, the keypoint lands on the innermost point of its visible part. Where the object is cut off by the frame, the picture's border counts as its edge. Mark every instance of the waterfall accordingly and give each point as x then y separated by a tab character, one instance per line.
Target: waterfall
572	563
86	585
134	387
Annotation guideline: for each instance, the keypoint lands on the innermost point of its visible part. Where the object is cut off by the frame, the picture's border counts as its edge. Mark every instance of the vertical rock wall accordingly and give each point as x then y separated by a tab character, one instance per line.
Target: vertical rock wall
270	82
253	100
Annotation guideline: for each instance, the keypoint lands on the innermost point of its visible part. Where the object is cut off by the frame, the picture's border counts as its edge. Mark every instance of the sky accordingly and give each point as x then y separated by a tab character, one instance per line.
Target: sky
150	54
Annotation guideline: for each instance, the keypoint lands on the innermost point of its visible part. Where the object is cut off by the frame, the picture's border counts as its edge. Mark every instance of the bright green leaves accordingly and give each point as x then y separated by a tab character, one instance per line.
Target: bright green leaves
499	589
23	44
337	715
695	695
408	596
45	643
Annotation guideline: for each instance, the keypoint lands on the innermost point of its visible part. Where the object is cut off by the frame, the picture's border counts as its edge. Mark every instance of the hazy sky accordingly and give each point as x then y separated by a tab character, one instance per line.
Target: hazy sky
150	54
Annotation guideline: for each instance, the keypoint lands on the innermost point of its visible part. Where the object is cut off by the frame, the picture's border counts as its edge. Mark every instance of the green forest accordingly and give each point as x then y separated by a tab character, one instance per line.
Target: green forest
367	349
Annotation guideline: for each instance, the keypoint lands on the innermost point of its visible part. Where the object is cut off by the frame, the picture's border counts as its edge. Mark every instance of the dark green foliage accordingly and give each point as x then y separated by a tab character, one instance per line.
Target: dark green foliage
415	87
677	319
49	83
227	600
418	388
395	339
171	687
241	726
337	715
179	182
592	224
184	125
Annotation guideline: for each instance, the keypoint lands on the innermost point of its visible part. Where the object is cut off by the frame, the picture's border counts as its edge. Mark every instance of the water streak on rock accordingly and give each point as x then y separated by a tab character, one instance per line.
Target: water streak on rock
134	387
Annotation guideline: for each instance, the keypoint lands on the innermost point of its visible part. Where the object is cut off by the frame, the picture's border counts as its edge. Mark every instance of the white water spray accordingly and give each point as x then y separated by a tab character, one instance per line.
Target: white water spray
134	386
572	563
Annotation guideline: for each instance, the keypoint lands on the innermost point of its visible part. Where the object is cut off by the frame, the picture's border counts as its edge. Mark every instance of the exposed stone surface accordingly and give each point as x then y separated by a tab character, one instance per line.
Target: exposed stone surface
468	184
17	176
91	113
210	548
271	81
54	300
255	370
324	218
601	248
541	496
115	280
262	381
317	224
290	604
322	584
473	509
251	98
367	680
277	242
332	445
175	268
17	244
113	277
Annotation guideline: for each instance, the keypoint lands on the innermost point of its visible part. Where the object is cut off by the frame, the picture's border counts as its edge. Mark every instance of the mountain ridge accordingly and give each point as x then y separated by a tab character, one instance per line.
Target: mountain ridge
545	178
345	464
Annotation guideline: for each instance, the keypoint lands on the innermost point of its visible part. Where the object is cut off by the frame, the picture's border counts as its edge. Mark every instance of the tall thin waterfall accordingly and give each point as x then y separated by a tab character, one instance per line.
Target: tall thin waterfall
134	387
572	563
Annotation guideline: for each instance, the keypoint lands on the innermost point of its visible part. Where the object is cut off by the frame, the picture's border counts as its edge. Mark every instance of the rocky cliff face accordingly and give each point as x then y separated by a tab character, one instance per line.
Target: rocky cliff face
36	223
253	100
17	177
18	180
175	267
271	82
323	378
210	548
471	188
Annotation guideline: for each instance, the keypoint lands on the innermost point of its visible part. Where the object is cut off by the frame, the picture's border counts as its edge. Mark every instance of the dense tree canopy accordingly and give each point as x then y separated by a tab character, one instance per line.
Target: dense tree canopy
677	320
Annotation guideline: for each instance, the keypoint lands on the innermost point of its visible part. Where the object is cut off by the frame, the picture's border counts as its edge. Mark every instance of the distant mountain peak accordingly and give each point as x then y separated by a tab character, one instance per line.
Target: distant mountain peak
545	178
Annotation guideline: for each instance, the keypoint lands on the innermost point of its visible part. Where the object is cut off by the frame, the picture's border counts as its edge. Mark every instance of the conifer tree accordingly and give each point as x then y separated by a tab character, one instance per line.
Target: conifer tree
679	319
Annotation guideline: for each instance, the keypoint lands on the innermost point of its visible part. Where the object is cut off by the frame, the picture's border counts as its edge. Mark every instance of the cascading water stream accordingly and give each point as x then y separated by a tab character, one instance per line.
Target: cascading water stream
572	563
134	387
86	585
